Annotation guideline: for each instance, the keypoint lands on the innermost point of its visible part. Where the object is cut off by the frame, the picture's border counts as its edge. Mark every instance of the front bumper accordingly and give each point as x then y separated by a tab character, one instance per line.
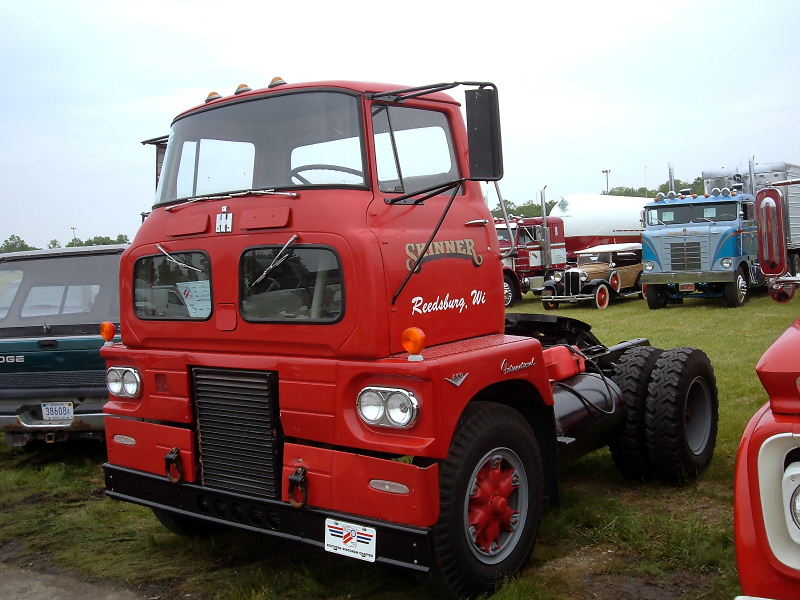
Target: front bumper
399	545
689	277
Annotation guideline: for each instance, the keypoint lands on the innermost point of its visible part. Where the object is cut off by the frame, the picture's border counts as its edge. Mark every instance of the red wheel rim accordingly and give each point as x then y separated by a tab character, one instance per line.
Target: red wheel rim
496	504
602	296
615	281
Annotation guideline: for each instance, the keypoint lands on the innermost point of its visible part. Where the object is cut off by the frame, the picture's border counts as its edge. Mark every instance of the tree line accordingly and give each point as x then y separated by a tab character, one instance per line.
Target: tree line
14	243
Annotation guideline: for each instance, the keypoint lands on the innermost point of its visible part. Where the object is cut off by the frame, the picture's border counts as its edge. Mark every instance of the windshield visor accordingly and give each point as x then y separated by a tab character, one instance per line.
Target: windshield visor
293	140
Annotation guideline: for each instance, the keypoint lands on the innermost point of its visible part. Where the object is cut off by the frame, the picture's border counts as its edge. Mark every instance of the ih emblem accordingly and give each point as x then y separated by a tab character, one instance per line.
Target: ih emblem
224	221
457	379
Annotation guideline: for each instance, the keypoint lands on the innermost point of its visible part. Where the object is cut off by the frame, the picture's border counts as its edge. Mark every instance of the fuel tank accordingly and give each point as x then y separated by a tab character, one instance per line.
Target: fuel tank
588	407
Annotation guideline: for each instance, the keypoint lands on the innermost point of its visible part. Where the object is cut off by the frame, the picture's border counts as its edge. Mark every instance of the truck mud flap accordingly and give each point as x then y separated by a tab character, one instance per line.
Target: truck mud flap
398	545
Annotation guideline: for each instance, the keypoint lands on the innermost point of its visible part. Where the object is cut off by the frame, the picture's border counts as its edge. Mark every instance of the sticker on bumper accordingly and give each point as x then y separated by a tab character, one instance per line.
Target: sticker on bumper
349	539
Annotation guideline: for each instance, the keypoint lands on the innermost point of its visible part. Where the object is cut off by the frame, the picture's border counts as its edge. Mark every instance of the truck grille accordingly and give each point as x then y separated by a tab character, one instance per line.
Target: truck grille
572	283
685	256
238	431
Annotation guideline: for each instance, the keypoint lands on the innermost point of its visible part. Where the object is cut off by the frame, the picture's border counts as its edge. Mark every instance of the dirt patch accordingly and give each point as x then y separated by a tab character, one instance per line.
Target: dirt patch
595	574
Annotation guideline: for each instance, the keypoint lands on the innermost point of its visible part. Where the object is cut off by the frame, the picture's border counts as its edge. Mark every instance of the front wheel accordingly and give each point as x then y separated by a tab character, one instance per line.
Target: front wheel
655	295
681	415
736	291
548	304
602	295
509	291
490	498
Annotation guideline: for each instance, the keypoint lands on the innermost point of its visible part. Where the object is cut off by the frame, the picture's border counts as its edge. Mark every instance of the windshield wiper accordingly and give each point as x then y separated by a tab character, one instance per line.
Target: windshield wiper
172	259
268	192
279	259
425	193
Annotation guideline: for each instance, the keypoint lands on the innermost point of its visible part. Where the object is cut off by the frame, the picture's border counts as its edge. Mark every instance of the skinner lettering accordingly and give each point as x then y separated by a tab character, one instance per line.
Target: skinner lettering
447	249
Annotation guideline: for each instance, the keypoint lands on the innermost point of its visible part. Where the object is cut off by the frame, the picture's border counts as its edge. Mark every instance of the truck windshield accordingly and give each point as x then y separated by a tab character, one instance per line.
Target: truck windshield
175	286
292	140
692	213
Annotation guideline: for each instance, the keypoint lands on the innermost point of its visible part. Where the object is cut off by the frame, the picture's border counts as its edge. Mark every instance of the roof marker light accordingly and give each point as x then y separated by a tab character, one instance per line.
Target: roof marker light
212	96
276	81
241	88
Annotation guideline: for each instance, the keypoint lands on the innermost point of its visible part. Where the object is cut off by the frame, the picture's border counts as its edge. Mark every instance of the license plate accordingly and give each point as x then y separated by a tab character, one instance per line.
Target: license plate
686	287
57	411
349	539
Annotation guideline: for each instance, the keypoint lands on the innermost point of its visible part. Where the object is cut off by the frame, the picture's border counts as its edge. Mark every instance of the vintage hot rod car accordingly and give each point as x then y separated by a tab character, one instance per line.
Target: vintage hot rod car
602	272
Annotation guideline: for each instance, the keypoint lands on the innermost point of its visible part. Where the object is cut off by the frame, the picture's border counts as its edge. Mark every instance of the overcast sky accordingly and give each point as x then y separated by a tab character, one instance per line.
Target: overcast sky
584	86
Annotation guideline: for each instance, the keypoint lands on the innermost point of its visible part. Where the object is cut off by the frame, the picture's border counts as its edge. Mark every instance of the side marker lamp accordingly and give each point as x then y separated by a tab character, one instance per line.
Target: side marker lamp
413	342
108	330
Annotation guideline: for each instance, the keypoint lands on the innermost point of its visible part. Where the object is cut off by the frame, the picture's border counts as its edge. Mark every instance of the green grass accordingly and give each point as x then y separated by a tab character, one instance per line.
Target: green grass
607	536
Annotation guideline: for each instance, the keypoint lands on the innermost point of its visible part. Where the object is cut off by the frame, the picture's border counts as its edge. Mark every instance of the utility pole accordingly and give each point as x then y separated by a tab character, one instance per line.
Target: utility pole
73	234
606	171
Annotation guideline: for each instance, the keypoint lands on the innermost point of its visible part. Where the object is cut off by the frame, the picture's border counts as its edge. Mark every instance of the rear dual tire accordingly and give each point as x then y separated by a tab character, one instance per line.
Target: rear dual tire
671	414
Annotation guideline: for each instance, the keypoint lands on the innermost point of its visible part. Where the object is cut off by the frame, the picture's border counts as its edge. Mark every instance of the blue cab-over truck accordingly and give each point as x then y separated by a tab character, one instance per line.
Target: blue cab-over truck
52	377
706	245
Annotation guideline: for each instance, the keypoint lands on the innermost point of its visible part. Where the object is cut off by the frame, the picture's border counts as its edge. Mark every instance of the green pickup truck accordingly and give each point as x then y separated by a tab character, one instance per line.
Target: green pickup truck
52	378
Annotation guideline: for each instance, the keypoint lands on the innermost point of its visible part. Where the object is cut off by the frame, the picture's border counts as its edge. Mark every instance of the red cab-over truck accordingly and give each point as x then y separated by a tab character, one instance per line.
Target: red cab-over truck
767	498
314	344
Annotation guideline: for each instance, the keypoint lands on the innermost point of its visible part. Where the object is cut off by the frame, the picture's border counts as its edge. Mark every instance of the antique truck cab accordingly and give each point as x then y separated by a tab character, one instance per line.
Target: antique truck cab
314	343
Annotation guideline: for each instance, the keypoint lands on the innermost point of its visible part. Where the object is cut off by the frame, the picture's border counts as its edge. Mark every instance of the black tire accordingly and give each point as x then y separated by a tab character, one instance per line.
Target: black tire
602	296
737	291
794	262
629	446
187	526
656	298
547	304
509	291
474	550
682	414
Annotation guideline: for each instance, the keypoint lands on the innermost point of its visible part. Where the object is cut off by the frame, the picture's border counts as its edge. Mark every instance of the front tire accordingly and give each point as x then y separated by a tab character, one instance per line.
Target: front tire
548	304
187	526
490	499
682	414
602	296
509	291
656	297
736	292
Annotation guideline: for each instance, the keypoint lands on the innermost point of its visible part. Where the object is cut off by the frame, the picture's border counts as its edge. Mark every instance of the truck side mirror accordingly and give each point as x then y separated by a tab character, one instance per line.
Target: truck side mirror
772	254
483	131
160	144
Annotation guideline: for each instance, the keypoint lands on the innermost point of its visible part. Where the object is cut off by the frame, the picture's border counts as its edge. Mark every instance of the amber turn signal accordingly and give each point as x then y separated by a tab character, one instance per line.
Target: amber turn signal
108	330
413	340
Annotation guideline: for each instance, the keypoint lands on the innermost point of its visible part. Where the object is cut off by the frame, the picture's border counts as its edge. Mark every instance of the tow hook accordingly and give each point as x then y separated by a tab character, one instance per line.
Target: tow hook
173	465
298	488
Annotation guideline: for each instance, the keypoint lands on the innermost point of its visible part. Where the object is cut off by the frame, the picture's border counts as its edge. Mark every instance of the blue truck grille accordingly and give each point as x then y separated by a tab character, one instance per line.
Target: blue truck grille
238	430
685	256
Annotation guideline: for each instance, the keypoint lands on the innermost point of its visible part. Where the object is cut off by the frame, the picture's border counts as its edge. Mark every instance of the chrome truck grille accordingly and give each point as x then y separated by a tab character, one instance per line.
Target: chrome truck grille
238	433
685	256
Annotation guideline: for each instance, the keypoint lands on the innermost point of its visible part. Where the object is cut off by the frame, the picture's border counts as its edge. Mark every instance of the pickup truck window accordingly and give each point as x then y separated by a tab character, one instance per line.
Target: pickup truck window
299	139
166	289
413	148
304	285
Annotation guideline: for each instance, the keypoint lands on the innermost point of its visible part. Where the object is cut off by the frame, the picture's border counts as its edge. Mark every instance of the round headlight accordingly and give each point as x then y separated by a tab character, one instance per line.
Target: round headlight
370	406
401	409
114	381
649	265
558	276
726	263
584	276
131	383
794	506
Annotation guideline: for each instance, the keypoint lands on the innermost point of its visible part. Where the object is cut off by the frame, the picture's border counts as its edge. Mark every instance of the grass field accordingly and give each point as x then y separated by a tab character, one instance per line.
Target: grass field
609	539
